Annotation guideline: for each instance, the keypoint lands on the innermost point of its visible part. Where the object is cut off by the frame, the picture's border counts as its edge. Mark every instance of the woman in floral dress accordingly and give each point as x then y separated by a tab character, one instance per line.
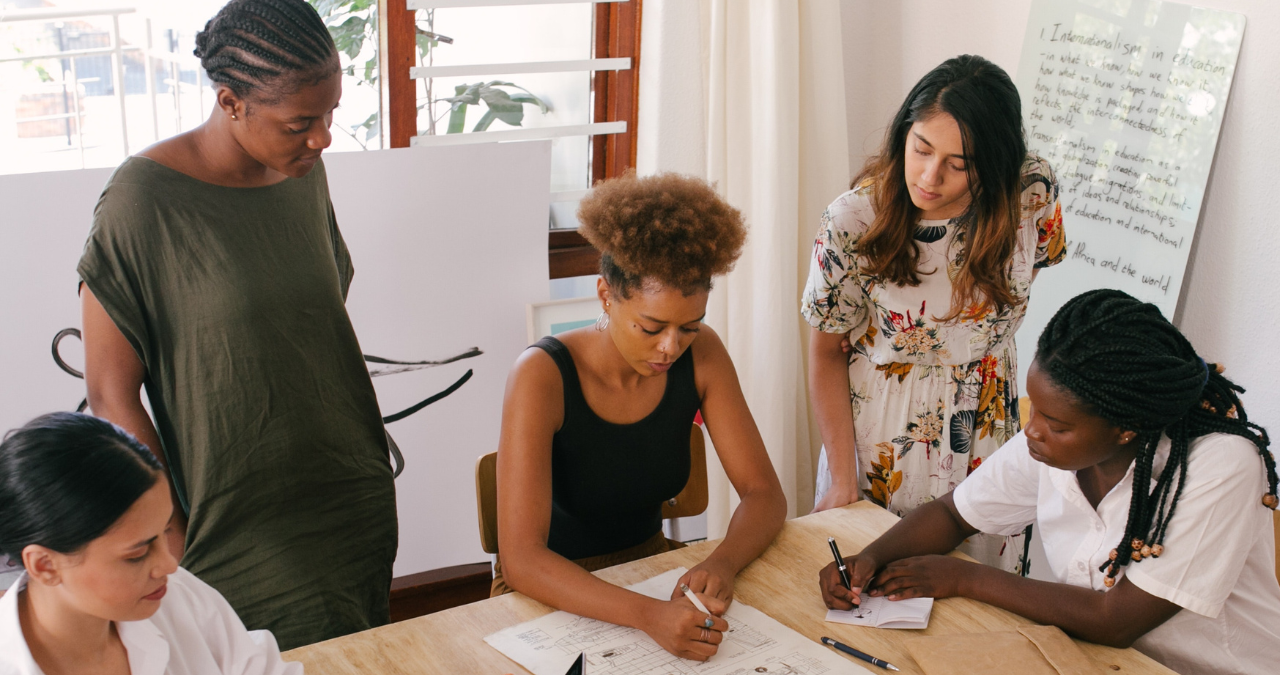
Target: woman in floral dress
926	268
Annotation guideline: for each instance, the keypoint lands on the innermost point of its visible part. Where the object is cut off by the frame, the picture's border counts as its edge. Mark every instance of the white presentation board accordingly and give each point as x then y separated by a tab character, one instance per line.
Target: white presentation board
449	246
1126	100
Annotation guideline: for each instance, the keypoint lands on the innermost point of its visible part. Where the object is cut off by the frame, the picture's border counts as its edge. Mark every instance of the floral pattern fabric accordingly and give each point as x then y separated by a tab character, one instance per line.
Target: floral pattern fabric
930	399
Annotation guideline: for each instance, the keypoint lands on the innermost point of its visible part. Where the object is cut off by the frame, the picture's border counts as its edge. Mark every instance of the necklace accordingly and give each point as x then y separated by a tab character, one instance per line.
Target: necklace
930	233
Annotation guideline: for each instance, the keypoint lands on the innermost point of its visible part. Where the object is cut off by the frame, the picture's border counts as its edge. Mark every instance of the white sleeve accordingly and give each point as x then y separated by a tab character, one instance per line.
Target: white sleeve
237	650
1000	496
1218	519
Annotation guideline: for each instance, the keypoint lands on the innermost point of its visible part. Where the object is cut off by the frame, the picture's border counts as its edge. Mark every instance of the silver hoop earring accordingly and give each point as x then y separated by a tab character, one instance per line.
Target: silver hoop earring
603	322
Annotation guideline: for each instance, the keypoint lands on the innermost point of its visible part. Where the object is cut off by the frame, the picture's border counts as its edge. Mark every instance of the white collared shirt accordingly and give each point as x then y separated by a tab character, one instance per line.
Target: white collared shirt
195	632
1219	552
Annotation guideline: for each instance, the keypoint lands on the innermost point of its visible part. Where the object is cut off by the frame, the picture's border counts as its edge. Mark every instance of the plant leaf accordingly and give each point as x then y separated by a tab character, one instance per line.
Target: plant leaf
526	97
485	121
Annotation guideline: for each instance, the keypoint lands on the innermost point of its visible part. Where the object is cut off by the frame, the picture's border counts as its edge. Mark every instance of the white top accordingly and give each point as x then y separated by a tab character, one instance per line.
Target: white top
1219	552
195	632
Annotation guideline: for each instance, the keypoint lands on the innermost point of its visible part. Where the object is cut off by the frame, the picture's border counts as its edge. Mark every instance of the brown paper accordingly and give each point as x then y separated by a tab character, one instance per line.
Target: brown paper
1032	650
1058	649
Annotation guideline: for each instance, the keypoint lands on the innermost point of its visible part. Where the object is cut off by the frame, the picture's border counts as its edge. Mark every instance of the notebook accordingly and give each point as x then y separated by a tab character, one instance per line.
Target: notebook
880	612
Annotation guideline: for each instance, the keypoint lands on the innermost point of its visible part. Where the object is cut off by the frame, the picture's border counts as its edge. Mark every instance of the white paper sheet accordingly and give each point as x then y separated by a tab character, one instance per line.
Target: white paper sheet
755	643
880	612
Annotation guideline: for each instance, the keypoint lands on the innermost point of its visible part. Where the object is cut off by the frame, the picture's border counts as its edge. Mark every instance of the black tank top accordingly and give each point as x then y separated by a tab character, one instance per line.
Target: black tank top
608	481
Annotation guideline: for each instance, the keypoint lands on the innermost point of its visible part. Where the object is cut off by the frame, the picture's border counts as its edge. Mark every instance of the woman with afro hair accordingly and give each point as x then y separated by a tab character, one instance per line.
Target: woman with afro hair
596	421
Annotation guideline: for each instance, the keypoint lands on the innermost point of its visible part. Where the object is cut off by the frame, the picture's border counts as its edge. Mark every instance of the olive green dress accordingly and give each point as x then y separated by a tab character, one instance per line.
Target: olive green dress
234	300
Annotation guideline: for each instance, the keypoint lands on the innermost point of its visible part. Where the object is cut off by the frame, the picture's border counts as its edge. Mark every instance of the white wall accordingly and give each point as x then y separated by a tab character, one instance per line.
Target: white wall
1230	307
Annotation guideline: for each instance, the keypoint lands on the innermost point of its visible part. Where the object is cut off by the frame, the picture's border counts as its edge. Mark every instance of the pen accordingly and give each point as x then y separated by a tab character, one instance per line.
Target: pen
857	654
684	588
844	571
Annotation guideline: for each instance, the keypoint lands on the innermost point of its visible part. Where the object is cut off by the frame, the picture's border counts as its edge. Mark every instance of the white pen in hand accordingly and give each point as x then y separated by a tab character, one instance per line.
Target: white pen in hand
709	623
684	588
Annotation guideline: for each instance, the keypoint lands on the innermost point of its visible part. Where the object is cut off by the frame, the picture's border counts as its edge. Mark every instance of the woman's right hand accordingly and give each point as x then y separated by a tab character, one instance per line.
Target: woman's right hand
679	627
861	569
836	497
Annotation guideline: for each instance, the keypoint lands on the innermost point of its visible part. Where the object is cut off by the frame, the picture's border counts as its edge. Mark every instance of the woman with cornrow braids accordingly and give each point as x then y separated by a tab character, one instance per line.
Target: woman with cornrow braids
1151	487
215	276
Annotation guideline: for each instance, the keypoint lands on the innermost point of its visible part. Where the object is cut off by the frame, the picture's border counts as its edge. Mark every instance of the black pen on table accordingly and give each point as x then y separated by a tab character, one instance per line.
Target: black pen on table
857	654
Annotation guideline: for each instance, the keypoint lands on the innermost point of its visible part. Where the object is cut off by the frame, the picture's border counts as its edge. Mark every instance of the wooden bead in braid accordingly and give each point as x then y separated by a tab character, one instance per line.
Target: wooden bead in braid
1125	361
257	46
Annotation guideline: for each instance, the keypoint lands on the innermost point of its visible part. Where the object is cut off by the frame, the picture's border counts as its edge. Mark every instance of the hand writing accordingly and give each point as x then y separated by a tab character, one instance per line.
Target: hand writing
861	568
679	627
712	584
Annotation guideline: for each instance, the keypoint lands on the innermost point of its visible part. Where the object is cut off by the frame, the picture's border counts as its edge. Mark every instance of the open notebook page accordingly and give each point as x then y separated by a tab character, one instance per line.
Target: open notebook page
879	612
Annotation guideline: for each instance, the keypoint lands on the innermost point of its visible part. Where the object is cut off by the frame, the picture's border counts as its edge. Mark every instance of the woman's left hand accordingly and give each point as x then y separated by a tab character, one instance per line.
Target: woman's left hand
712	583
926	576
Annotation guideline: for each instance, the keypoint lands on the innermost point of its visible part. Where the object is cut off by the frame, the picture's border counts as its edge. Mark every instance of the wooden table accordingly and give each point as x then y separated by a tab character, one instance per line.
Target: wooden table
782	584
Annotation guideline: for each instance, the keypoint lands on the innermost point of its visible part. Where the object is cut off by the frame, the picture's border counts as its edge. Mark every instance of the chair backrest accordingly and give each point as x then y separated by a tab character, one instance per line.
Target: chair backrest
1277	519
691	501
487	501
1024	412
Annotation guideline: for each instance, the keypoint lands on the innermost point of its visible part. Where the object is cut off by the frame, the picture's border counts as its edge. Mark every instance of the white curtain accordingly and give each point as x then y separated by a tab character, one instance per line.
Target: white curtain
750	95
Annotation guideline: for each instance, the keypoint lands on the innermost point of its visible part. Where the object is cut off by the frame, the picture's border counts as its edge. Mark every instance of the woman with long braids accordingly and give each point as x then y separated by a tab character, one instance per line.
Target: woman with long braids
926	265
1152	490
215	275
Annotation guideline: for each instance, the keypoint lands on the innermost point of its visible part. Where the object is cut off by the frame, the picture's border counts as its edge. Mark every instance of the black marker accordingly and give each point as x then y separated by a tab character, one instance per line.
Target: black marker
857	654
844	571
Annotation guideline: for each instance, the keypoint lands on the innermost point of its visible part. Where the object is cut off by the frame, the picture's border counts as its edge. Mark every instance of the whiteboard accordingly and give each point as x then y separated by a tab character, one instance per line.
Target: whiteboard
449	247
1125	98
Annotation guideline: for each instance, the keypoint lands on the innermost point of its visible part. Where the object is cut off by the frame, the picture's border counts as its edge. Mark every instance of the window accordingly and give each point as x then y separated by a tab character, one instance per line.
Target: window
465	71
61	60
87	84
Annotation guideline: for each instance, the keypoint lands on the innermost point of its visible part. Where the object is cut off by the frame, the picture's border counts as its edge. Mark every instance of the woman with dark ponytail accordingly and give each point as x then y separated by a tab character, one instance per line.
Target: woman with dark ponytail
215	276
85	507
926	266
1148	482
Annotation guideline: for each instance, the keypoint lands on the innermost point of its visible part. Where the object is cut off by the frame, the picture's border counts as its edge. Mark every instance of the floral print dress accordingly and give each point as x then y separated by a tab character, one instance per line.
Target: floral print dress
930	400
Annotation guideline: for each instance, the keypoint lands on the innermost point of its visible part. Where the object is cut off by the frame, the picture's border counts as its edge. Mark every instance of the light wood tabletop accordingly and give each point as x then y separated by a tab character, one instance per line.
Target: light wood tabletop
783	583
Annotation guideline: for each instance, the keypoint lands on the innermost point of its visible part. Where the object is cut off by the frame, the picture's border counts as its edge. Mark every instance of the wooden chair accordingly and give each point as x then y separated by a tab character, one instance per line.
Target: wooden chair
1277	519
691	501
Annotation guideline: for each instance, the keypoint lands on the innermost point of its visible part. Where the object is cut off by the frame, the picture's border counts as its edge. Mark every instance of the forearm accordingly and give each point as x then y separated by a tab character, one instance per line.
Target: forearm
129	414
753	527
1080	612
553	580
829	391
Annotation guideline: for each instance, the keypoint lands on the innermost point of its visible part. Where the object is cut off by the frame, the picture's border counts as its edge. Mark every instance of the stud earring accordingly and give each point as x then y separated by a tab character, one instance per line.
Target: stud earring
233	116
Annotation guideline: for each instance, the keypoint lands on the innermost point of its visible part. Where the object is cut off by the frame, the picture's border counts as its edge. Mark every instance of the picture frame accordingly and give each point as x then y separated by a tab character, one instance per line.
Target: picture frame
558	316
